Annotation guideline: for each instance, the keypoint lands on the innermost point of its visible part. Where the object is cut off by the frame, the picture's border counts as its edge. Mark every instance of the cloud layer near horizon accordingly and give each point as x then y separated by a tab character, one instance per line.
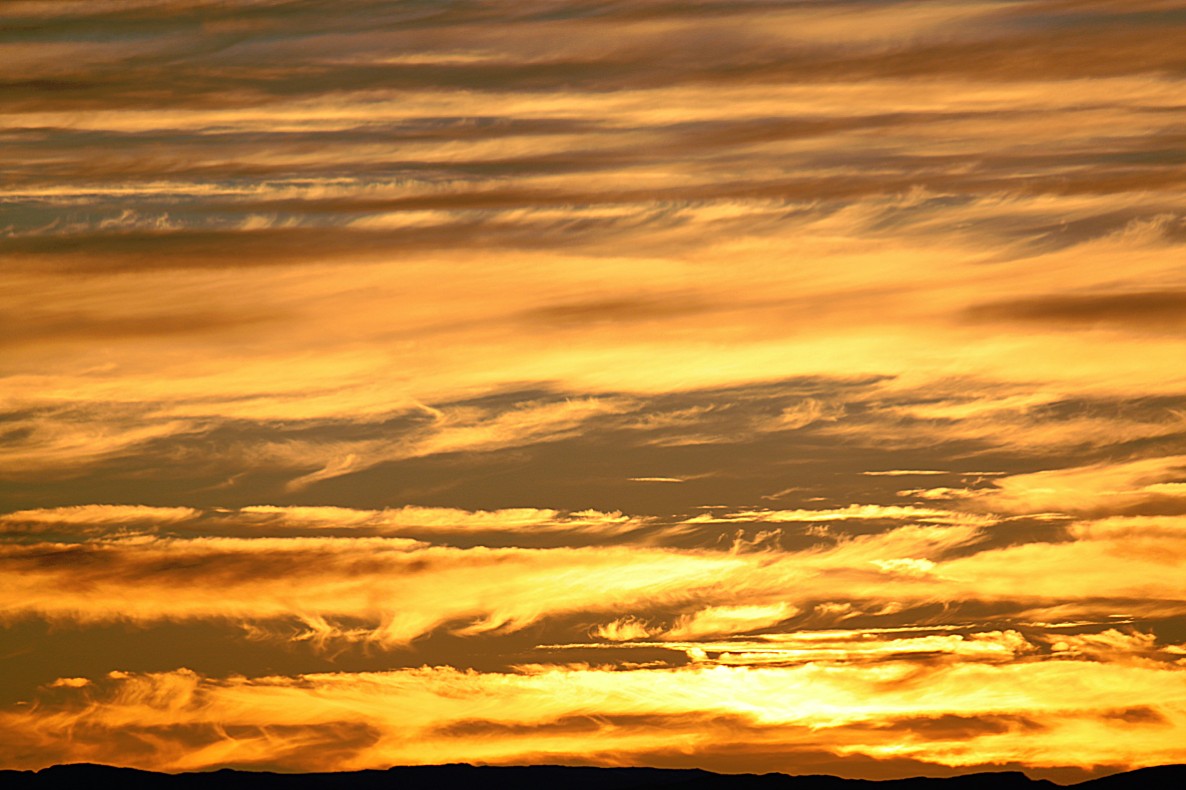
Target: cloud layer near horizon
373	376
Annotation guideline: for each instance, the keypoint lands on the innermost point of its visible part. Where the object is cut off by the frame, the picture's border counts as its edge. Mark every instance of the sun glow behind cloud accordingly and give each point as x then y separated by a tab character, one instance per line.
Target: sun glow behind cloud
762	386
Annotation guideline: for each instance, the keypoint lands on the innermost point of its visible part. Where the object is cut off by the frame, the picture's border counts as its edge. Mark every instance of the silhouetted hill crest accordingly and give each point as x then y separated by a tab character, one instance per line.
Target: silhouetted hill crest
545	777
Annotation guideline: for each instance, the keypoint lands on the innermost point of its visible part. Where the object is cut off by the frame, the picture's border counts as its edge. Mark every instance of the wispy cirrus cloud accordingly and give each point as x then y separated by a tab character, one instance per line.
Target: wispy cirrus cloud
401	589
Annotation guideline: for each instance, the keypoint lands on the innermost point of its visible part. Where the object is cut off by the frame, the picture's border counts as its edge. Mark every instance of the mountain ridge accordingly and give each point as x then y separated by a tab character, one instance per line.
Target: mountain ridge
444	777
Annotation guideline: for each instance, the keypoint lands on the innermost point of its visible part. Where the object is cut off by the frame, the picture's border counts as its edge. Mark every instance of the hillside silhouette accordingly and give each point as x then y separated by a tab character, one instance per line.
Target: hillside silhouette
447	777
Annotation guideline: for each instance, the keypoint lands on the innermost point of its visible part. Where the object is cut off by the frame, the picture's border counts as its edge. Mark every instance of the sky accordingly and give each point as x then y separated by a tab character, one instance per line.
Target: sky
762	385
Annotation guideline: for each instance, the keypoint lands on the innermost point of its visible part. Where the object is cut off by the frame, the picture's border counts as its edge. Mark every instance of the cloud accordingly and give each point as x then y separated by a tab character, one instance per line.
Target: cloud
1121	527
469	430
904	472
847	513
95	519
842	647
615	311
959	715
622	630
46	329
1111	645
394	590
1105	488
403	588
440	522
1153	310
729	620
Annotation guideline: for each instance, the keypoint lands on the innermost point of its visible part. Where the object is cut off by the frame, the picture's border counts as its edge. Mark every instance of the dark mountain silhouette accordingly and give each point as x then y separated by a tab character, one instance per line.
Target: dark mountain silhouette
546	777
1156	777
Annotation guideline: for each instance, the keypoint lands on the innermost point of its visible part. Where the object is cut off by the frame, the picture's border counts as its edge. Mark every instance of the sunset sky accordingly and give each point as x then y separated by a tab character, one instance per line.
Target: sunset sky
751	385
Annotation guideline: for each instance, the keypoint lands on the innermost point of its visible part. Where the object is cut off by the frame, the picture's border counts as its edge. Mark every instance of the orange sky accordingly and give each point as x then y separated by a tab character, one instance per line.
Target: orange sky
776	385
